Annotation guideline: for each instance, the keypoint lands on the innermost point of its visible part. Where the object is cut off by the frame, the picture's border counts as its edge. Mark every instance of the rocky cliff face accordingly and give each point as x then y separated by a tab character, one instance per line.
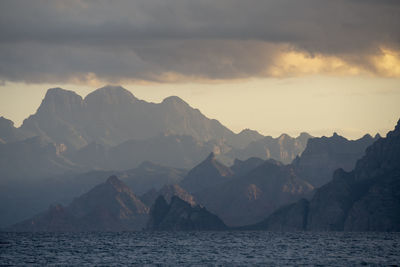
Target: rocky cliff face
110	206
365	199
324	155
181	216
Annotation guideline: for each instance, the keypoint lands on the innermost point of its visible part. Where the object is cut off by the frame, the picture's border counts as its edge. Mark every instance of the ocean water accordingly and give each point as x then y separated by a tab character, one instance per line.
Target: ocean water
200	248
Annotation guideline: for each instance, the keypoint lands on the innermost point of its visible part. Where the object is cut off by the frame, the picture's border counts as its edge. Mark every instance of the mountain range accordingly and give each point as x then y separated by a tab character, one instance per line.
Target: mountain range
61	155
366	198
22	199
111	129
112	115
110	206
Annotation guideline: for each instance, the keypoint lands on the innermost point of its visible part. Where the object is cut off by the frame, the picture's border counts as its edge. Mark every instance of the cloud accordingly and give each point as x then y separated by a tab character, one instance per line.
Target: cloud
178	40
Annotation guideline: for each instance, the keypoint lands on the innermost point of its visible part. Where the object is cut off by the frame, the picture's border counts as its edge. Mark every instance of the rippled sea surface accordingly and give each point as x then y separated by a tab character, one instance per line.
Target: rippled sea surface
200	248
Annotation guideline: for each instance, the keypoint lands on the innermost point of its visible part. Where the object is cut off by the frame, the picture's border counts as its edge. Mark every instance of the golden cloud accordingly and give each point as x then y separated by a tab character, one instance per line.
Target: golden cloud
297	63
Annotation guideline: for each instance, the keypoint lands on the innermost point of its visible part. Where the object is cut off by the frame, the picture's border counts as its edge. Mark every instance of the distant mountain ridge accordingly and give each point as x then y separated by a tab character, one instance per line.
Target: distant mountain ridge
112	115
364	199
22	198
110	206
283	148
323	155
208	173
247	198
179	215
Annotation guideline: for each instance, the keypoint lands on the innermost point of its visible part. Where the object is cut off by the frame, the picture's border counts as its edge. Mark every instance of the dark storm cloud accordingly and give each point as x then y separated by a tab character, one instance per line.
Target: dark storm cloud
59	40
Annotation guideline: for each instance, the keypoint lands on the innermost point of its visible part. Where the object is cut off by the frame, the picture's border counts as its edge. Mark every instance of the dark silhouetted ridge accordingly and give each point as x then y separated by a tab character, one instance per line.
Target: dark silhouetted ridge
181	216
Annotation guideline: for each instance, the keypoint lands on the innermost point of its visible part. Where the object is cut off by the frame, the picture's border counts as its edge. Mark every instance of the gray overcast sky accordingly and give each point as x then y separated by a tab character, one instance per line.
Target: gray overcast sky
285	52
59	40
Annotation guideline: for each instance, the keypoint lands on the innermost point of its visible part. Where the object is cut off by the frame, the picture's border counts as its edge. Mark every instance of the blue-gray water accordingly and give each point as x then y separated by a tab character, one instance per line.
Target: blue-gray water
186	248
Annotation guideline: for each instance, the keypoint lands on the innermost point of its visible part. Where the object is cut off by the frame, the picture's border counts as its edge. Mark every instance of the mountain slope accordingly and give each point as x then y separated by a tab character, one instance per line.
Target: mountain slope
181	216
365	199
246	199
207	174
23	198
110	206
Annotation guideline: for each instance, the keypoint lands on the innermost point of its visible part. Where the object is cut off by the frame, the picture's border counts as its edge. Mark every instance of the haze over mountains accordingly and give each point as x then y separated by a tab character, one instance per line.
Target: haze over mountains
111	129
366	198
110	206
71	145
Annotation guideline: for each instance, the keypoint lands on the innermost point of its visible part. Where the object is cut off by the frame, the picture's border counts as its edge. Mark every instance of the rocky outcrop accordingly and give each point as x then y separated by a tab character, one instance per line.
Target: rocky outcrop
110	206
323	155
167	191
181	216
365	199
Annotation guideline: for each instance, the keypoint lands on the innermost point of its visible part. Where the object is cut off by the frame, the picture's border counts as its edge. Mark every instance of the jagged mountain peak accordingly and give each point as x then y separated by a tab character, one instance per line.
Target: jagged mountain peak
381	156
110	95
364	199
174	100
283	136
58	98
58	91
396	131
114	181
325	154
367	136
304	135
248	131
208	173
336	136
110	206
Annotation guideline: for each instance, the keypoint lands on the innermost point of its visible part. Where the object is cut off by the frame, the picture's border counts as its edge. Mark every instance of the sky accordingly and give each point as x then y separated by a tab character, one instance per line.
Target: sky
318	66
